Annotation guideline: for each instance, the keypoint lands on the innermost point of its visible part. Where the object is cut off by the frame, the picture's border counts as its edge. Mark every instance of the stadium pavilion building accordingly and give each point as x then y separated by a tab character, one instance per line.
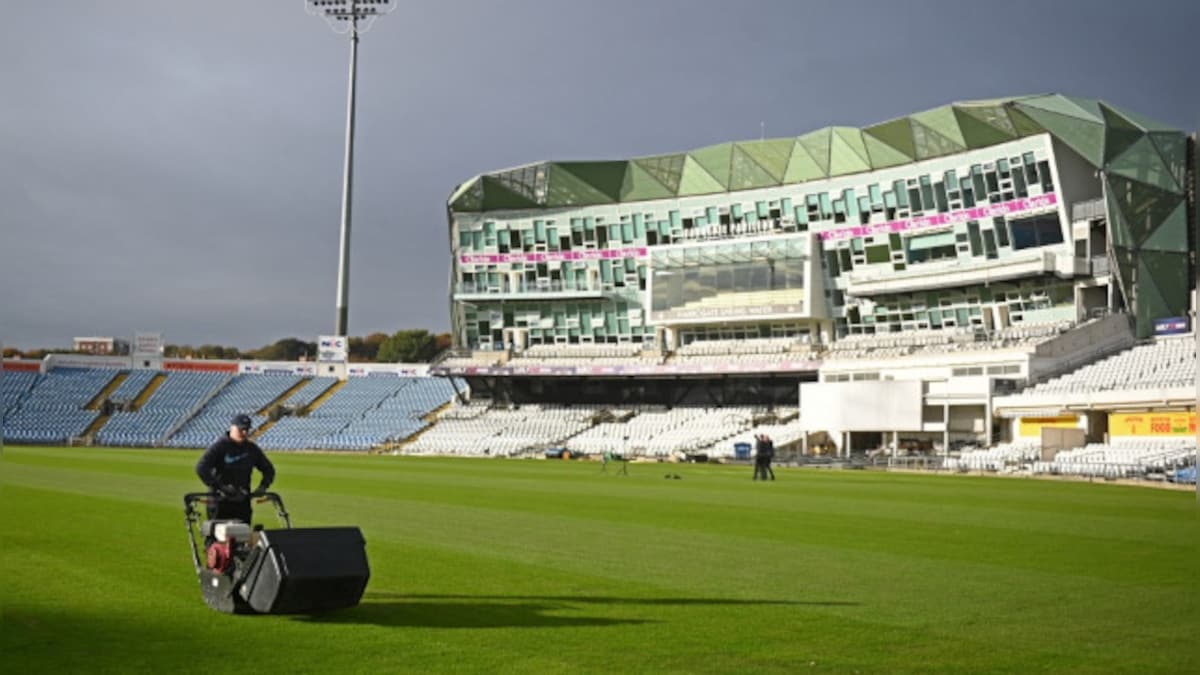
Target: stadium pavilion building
1008	239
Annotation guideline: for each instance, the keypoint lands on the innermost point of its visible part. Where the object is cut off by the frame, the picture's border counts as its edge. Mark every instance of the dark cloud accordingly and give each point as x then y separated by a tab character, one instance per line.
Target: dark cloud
177	166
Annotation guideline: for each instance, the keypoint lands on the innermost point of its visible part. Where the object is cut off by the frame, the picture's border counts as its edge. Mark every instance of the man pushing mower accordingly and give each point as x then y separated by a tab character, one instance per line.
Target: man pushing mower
245	570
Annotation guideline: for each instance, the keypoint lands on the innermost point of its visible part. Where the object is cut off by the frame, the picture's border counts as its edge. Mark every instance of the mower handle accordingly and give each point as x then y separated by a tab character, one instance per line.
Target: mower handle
192	498
192	516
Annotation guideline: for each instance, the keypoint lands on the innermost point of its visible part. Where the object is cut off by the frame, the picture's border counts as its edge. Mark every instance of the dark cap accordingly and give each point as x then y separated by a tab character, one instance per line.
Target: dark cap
242	421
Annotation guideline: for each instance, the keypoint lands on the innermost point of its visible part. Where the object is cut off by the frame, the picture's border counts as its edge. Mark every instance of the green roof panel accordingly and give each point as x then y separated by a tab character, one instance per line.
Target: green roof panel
896	133
1162	287
468	196
640	185
1143	206
1171	236
1140	120
497	196
1105	136
716	161
696	181
932	144
666	169
944	122
1120	133
979	134
994	116
801	166
1024	125
1117	223
844	158
883	155
1057	103
746	174
605	177
771	154
567	189
817	144
1141	162
1172	148
1083	136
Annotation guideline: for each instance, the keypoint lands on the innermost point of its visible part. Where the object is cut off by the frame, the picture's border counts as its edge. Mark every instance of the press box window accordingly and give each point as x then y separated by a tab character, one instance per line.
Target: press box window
1043	230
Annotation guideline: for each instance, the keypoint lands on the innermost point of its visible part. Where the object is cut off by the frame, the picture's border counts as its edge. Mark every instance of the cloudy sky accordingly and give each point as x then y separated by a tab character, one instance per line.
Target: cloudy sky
176	166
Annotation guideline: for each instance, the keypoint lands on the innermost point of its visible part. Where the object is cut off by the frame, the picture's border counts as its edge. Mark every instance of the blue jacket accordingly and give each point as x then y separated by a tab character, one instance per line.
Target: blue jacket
228	462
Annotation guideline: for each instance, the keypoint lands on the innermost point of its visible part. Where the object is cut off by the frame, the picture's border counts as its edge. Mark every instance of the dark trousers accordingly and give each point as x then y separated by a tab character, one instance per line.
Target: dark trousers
762	467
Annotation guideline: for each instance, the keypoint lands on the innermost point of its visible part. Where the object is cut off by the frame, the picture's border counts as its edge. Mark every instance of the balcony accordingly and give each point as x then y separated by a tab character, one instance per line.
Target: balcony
540	290
1092	209
927	276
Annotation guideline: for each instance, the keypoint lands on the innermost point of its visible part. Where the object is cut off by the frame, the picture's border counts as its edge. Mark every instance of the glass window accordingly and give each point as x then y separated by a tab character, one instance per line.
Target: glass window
1043	230
977	180
878	254
1044	174
926	193
1001	229
1018	175
993	183
973	237
989	243
939	192
914	198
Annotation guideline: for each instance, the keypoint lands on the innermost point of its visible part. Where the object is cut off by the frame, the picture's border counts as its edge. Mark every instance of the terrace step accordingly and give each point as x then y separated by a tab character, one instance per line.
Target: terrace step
284	396
107	391
151	387
333	389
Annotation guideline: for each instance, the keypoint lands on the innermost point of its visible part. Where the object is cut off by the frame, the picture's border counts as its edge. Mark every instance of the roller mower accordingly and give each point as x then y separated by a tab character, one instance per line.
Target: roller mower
287	570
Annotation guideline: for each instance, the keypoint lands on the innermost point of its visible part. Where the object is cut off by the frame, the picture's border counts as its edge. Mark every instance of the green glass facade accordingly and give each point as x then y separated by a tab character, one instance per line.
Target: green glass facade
588	231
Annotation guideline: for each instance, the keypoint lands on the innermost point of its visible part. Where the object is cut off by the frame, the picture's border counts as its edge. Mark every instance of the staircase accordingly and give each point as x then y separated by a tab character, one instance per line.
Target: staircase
107	391
263	429
266	409
94	427
333	389
146	393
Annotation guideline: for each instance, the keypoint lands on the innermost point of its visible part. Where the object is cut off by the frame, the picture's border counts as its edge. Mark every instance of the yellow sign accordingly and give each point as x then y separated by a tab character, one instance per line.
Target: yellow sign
1152	424
1032	426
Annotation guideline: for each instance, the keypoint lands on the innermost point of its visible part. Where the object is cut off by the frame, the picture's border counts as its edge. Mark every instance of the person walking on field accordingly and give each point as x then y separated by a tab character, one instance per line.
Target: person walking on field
768	455
760	456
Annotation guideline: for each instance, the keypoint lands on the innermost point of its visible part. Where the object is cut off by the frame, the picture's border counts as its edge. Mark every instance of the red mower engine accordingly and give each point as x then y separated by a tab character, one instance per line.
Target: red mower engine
227	536
219	556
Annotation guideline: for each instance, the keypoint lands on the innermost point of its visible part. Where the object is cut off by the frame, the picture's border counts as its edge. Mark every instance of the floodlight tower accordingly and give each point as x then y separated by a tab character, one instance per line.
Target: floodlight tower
348	17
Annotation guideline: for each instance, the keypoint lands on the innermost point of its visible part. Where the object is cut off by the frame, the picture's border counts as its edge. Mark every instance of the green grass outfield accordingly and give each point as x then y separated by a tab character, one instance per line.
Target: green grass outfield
496	566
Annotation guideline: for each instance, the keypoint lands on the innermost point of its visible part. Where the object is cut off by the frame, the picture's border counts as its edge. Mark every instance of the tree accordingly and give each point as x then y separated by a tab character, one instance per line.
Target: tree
444	340
287	349
366	349
408	346
12	353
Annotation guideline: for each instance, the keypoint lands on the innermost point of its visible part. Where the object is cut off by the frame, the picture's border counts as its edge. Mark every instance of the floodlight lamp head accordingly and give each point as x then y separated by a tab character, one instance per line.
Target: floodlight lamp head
344	16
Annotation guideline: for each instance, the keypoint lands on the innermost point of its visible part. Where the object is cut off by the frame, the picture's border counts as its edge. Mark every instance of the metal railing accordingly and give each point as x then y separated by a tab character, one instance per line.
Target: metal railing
1088	210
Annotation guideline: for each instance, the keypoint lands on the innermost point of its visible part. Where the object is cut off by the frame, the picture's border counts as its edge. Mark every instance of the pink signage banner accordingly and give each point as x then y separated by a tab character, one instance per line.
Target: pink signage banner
637	369
960	216
555	256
